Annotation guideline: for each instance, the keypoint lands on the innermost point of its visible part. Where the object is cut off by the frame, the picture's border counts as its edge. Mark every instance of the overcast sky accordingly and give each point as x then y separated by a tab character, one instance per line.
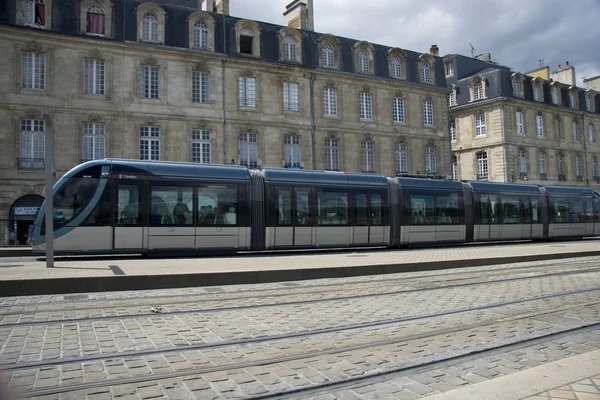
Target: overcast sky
518	33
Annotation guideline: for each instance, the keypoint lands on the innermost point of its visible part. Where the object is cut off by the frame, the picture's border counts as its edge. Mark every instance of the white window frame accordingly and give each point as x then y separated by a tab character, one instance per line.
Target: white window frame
559	129
401	158
363	61
449	68
536	92
289	49
332	154
33	70
451	99
425	73
519	121
578	172
396	64
480	129
249	149
576	137
247	92
452	128
365	100
200	35
150	143
592	133
589	103
398	110
150	27
94	141
482	165
94	76
201	146
542	162
561	164
539	121
200	87
368	156
573	99
430	159
330	101
32	142
454	167
594	167
328	54
95	9
554	95
516	87
292	152
150	82
291	100
478	90
522	162
30	12
427	112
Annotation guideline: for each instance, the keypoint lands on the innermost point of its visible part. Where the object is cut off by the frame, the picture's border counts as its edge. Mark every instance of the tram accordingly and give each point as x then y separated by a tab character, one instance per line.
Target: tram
128	206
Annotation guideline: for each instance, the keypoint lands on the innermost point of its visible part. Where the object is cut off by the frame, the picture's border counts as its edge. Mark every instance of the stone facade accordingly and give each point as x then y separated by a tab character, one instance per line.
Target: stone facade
121	110
529	137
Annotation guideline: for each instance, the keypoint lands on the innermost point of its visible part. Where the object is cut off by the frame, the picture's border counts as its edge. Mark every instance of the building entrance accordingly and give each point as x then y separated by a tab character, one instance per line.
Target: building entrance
22	215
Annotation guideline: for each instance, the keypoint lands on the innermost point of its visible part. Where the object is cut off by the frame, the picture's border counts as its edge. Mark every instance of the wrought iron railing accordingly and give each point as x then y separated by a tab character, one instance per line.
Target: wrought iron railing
31	163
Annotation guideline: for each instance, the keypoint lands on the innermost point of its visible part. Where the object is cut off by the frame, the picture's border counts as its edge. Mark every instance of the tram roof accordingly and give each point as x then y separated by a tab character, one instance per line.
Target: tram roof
499	187
424	183
299	176
569	190
178	169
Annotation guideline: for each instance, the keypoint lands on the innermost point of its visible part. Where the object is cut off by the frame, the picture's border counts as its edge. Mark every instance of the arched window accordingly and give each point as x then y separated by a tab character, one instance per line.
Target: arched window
200	35
289	49
554	94
150	28
363	61
425	73
328	56
478	89
396	67
247	41
516	85
95	20
536	92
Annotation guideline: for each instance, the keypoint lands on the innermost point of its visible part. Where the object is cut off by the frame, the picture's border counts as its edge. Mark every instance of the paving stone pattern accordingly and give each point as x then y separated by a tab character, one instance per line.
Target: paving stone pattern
586	389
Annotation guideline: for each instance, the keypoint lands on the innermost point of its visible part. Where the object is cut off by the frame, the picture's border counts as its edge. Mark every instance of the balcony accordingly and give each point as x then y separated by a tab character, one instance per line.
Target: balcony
31	163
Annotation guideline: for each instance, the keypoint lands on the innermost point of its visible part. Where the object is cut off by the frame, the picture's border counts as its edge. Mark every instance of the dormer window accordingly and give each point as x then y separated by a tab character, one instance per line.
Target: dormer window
150	28
328	56
35	13
396	67
589	102
95	20
516	88
200	35
363	61
554	94
425	73
536	92
246	41
517	84
478	90
573	99
289	49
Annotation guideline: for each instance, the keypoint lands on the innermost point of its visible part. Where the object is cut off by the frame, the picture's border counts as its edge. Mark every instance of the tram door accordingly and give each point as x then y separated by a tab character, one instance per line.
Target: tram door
294	216
128	223
597	217
589	217
361	215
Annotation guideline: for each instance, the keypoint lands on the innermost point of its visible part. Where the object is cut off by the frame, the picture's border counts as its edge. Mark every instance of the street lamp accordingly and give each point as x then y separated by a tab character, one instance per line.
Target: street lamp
48	172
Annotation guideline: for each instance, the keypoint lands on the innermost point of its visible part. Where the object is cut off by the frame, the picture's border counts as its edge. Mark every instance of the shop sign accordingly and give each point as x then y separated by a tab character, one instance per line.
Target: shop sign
26	210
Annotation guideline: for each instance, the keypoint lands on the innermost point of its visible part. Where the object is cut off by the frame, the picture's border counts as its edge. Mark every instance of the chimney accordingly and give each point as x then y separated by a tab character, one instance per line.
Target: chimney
487	57
434	50
565	75
299	15
219	6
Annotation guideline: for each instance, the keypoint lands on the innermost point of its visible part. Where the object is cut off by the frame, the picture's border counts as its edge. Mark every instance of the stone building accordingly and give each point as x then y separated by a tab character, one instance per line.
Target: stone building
535	127
180	80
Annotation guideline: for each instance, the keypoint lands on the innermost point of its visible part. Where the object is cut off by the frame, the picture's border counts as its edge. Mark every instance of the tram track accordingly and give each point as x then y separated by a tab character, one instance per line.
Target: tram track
346	348
295	335
377	293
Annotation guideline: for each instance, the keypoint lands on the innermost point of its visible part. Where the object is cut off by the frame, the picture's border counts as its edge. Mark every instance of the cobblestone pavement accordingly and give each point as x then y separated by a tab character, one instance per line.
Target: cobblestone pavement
586	389
233	346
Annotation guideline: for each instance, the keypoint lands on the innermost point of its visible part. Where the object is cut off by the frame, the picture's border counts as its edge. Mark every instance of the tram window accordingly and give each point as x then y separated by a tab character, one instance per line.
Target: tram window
72	198
332	208
128	205
535	210
100	215
561	211
527	210
495	210
510	210
361	209
577	211
446	210
597	211
422	210
377	210
589	211
484	209
303	209
218	205
284	207
171	205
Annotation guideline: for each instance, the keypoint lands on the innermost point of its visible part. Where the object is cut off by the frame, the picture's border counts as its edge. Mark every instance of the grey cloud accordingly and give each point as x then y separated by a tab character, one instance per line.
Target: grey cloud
518	33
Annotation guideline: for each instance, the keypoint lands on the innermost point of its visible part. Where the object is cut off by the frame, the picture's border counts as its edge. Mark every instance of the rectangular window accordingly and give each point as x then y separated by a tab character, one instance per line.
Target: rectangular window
592	133
455	167
452	126
516	88
329	101
218	205
332	155
559	129
201	146
589	101
522	162
428	113
540	125
150	143
449	68
171	205
430	161
578	173
94	138
561	167
446	209
31	145
368	156
290	97
480	125
247	92
95	21
482	165
398	109
291	151
573	100
200	87
332	208
511	210
576	131
33	70
451	99
366	105
594	167
149	82
542	163
422	210
519	120
35	12
249	149
289	50
93	76
401	159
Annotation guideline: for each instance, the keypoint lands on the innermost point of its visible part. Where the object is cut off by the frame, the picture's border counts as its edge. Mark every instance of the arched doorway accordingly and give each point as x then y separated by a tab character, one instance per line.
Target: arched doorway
22	214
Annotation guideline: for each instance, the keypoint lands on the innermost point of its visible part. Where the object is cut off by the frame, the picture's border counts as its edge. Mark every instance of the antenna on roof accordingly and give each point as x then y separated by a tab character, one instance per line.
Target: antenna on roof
472	50
542	62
